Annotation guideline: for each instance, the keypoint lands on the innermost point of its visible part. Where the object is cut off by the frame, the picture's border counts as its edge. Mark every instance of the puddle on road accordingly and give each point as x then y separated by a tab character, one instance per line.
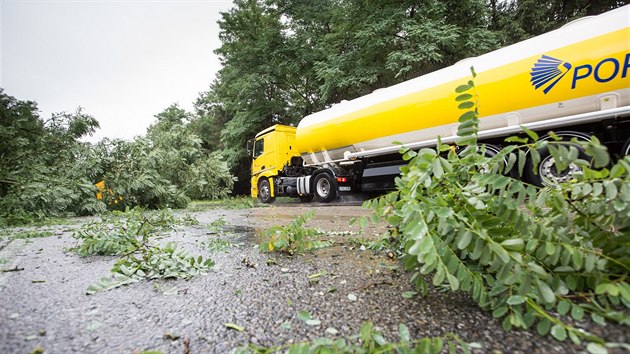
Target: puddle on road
240	234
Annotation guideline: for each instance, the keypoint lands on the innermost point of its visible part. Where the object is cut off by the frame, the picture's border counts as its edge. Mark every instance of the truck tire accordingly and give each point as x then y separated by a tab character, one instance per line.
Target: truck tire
546	173
264	191
324	188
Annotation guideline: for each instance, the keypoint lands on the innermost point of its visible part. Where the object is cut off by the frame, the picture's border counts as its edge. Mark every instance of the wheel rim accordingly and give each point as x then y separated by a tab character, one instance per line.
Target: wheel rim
264	190
323	187
549	174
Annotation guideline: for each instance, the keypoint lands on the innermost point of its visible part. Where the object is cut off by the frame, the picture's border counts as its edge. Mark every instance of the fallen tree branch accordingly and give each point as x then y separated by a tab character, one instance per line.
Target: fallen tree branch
16	269
369	285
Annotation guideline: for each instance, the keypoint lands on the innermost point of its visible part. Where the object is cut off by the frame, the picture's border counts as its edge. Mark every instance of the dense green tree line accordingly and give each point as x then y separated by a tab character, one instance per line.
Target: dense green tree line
284	59
45	170
281	60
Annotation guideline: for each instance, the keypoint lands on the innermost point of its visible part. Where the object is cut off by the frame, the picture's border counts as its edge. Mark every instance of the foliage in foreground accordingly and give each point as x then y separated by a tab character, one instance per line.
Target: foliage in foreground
532	256
368	340
130	235
152	262
293	238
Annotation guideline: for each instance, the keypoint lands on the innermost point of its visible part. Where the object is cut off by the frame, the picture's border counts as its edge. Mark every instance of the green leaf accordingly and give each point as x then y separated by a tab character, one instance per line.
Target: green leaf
574	338
516	139
467	116
599	154
403	332
522	159
379	339
499	251
543	327
546	292
532	135
437	168
598	319
564	307
234	327
596	348
409	294
611	190
515	244
439	276
463	88
463	97
365	332
107	283
304	315
464	239
537	269
558	332
515	300
466	105
313	322
500	312
452	281
624	290
578	261
416	248
601	288
577	312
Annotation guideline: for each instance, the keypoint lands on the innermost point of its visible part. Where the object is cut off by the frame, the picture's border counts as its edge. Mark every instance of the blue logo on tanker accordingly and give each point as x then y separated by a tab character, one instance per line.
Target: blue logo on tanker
548	71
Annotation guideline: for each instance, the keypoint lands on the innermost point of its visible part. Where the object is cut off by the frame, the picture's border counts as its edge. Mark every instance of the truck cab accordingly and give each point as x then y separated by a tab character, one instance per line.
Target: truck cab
271	150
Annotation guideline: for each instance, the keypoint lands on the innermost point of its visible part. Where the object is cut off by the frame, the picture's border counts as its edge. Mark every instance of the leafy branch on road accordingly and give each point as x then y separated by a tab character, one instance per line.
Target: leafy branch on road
293	238
368	340
129	235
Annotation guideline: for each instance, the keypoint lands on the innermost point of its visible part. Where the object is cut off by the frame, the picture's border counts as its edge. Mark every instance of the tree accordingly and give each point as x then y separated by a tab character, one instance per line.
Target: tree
44	169
285	59
167	168
517	20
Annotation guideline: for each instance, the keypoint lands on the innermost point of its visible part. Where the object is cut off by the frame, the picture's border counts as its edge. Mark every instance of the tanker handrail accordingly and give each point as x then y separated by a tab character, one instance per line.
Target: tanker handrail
582	118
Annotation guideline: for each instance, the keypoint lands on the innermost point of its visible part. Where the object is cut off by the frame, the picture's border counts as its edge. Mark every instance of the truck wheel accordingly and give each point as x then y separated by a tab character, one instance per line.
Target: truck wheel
324	188
547	174
626	148
264	191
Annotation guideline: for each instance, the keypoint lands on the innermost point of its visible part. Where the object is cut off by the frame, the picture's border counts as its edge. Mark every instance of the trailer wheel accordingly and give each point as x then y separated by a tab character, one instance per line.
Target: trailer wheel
264	191
324	188
546	172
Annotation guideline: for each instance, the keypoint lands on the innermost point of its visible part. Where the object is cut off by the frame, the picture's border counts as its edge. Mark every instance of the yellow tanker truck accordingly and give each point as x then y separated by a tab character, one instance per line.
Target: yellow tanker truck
574	81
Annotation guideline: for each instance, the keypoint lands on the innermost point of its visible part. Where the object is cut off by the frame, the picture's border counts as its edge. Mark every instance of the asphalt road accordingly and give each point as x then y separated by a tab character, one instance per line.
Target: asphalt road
44	303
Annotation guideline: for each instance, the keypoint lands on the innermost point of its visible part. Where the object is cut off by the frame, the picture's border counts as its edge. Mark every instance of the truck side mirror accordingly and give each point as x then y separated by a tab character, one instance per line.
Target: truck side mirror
250	147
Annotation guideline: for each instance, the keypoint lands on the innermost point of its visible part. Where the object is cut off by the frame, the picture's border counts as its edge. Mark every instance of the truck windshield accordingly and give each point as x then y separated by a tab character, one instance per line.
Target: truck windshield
259	147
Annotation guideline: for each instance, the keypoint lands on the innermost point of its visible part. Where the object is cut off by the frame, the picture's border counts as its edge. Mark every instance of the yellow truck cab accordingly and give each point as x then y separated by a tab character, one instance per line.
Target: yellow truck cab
272	149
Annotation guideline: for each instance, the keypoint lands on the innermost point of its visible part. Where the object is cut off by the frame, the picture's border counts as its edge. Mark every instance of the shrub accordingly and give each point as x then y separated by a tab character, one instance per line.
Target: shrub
529	255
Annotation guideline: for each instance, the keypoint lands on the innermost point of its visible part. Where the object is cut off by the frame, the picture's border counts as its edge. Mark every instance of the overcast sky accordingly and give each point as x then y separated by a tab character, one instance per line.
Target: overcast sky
122	61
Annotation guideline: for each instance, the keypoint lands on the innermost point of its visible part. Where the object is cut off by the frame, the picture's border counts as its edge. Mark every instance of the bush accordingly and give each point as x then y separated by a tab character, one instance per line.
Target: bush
529	255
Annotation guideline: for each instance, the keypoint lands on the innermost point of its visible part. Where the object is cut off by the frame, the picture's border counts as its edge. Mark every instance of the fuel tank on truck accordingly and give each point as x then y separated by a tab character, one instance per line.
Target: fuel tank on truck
581	67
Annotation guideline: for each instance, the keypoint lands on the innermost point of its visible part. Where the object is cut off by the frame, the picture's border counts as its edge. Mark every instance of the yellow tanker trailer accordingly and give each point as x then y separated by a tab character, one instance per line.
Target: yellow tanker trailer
574	81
